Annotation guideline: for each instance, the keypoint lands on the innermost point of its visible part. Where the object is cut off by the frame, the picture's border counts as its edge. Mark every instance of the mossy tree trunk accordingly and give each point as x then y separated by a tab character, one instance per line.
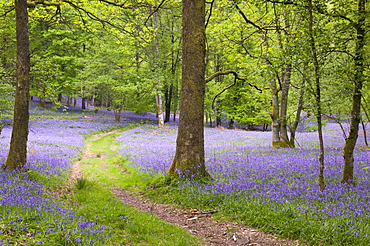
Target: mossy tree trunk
359	70
17	156
189	157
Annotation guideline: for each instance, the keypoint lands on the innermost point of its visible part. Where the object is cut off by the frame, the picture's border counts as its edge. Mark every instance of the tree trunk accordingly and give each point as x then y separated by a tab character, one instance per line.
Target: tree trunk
217	115
168	100
189	157
275	126
117	115
363	129
159	103
284	104
294	127
83	103
279	126
42	103
231	124
357	94
157	70
17	156
317	96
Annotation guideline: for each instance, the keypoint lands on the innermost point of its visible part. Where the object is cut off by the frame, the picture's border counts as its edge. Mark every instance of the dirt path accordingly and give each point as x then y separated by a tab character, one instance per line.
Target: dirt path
198	223
201	224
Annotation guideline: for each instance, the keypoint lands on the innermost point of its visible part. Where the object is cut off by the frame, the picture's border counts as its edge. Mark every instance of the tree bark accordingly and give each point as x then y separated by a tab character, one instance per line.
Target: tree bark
317	96
159	103
285	85
157	65
168	101
17	156
275	126
294	127
357	94
189	157
83	103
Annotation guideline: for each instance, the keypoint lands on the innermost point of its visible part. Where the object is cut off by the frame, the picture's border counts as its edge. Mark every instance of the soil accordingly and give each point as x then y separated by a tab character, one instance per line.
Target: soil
196	222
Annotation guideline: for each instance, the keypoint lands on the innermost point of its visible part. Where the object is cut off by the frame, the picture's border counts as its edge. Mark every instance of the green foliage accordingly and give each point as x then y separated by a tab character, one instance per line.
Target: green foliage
81	183
135	54
6	101
245	105
7	64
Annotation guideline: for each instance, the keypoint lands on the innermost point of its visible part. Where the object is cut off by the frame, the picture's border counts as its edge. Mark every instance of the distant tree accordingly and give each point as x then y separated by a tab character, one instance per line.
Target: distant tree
189	157
17	156
246	105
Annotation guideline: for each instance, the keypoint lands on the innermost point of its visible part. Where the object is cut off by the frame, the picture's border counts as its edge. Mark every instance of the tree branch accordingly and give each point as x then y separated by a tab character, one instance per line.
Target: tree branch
7	11
222	91
236	77
96	18
121	5
210	12
155	10
246	19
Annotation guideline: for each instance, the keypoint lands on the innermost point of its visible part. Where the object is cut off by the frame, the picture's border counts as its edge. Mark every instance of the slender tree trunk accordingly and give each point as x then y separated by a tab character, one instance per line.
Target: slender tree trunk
231	124
42	102
275	126
117	115
317	96
284	104
365	134
279	116
294	127
17	156
168	100
159	102
189	157
217	115
83	103
368	120
357	94
157	66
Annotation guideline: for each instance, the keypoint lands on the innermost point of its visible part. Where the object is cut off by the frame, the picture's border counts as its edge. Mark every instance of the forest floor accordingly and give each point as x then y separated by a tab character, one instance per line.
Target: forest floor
196	222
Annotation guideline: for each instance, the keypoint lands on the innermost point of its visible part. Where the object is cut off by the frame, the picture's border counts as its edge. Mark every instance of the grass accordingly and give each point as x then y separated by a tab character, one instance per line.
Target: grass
94	201
283	222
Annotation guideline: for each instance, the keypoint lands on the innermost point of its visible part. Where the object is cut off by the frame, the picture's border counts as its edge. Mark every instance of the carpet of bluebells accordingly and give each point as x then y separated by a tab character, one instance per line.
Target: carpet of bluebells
246	168
29	213
242	163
